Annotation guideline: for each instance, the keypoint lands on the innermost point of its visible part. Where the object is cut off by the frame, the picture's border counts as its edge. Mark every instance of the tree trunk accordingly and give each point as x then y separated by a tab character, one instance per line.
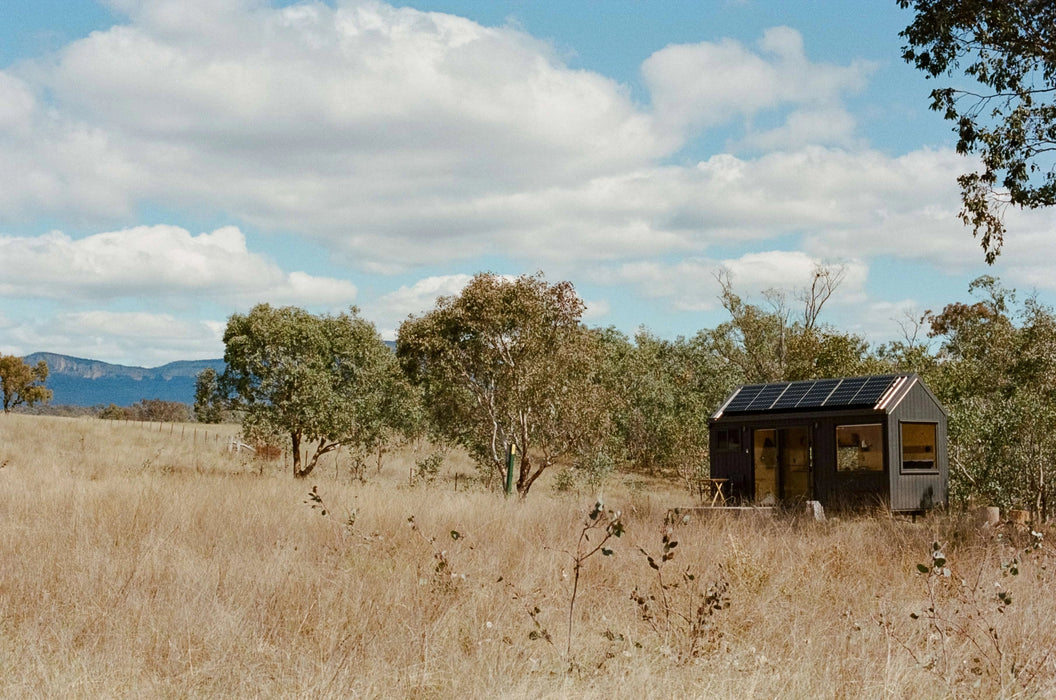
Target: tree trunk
522	475
1041	505
295	438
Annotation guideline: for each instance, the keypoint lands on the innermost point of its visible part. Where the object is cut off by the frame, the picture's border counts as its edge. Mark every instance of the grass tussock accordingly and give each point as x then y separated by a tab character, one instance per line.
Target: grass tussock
145	563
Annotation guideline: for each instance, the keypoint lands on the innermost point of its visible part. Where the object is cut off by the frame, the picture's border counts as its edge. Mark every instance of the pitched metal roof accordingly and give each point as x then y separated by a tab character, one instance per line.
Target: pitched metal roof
875	392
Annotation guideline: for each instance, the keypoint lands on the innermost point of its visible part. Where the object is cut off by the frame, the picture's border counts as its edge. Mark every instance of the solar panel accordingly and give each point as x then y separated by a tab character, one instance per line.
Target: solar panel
792	395
810	394
874	388
843	395
744	396
816	395
766	397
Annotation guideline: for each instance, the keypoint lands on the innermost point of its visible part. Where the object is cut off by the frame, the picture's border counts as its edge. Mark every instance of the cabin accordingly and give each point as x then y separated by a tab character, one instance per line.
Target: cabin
843	442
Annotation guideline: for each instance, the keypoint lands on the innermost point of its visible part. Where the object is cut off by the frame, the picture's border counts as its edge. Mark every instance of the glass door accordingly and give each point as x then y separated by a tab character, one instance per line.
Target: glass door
765	451
783	461
795	462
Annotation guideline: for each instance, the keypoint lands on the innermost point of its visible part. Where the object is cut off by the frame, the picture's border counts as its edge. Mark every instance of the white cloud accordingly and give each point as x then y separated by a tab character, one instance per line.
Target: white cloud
811	126
422	295
399	138
877	320
290	109
755	273
696	86
692	283
123	337
17	104
302	289
596	309
157	261
55	166
392	308
1030	247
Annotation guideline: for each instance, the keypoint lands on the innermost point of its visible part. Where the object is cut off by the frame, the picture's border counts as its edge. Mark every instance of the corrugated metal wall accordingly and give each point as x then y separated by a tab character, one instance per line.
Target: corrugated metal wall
918	491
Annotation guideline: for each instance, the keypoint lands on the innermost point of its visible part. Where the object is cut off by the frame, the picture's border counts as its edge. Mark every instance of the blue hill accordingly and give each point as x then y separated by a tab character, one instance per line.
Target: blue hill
77	381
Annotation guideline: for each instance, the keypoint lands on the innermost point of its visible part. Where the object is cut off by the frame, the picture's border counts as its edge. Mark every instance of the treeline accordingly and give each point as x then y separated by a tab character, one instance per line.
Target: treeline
508	366
155	410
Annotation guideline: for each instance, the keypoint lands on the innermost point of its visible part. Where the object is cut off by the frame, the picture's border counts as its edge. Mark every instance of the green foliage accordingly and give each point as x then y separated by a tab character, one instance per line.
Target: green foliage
1006	47
602	525
115	412
445	580
507	363
769	345
663	392
327	380
208	400
963	611
682	612
155	410
996	372
427	468
21	383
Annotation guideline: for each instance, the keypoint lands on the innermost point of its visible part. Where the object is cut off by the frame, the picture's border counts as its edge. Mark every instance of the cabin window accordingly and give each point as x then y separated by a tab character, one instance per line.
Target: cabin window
860	448
728	439
918	447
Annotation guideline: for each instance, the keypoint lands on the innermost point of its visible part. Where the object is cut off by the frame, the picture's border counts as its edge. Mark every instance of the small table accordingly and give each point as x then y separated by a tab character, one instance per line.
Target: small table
713	492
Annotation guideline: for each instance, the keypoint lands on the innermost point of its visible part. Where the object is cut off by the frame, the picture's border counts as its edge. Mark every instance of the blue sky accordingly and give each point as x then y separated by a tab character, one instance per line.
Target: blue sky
165	163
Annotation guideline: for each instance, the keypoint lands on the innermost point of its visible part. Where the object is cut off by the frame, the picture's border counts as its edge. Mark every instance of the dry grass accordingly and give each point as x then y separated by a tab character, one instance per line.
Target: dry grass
139	563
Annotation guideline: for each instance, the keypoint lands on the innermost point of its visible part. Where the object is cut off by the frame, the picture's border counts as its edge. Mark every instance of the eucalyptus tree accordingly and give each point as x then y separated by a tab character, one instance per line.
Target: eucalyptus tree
22	383
208	404
996	373
507	363
1000	58
667	389
770	343
326	380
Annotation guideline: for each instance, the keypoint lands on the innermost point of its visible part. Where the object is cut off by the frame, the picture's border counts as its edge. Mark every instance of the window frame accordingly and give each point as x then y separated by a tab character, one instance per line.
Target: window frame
881	444
902	448
727	445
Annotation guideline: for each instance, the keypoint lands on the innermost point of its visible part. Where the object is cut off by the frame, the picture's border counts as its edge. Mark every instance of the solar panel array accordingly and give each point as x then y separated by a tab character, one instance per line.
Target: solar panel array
816	393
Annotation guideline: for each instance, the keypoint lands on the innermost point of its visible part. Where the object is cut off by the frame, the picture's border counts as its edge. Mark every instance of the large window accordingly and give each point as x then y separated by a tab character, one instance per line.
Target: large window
860	448
918	447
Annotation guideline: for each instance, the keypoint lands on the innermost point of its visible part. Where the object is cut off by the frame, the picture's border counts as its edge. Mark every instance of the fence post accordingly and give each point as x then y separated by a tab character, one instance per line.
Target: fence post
509	468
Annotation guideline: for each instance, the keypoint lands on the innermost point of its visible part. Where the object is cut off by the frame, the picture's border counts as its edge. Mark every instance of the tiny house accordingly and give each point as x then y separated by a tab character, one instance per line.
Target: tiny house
877	439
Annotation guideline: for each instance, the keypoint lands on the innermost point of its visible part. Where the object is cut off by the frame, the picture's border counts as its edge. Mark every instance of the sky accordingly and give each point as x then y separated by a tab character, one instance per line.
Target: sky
167	163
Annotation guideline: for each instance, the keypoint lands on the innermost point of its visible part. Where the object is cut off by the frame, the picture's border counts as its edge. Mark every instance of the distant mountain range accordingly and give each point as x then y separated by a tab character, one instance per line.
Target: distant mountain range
76	381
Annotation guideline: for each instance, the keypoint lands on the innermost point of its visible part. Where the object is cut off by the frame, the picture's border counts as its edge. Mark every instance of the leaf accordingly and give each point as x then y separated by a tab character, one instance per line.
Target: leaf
456	535
922	568
607	552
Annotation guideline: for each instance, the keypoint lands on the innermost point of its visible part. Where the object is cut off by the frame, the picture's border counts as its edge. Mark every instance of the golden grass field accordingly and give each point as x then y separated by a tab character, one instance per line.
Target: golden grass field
138	562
